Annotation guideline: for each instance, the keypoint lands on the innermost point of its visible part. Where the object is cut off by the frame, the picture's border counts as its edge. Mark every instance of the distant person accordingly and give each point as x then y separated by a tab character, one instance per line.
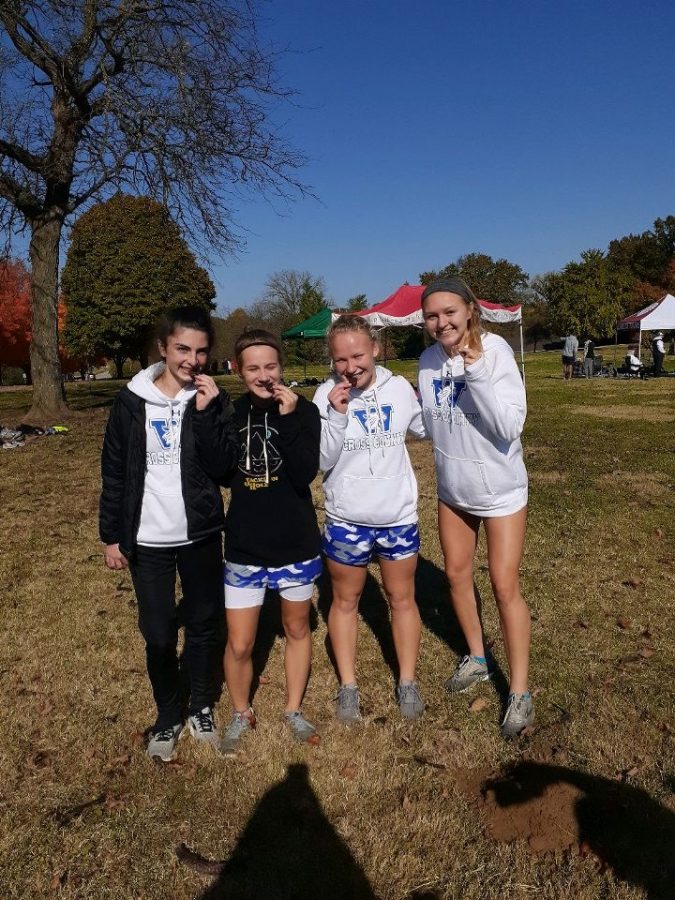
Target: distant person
632	362
271	534
371	505
162	514
589	358
658	352
474	406
569	355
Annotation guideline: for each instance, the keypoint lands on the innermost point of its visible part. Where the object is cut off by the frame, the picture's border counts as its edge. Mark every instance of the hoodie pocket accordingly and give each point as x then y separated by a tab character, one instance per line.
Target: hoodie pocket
463	481
375	501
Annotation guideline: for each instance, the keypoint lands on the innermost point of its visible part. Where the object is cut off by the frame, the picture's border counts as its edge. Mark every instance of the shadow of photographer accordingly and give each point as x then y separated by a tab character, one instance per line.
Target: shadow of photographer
288	849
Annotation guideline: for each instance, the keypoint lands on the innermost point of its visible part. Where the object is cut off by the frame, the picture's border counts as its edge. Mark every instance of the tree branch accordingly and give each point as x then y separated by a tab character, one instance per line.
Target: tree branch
19	196
19	154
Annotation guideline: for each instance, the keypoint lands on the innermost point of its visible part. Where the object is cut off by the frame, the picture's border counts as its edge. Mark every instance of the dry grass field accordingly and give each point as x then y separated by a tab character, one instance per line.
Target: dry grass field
583	806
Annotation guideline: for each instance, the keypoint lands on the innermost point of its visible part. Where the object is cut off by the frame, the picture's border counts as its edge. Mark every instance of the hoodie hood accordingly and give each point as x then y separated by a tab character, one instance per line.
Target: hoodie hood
143	385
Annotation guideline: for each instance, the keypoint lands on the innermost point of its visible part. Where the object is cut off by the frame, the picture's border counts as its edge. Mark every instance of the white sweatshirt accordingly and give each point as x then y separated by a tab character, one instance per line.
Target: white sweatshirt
475	416
368	477
163	517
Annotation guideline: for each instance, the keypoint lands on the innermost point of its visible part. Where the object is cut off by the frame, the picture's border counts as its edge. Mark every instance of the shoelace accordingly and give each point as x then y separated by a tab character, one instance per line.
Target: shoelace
166	734
204	720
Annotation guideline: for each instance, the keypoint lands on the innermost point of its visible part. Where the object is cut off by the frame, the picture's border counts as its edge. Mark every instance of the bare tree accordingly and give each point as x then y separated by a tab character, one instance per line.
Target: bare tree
169	98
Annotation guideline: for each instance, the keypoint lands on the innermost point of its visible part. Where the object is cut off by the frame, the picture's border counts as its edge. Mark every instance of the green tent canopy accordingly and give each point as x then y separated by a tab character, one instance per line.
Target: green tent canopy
314	327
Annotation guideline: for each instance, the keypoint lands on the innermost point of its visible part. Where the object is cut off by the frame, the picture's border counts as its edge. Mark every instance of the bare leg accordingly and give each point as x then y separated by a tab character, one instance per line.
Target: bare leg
242	625
459	536
348	583
298	652
505	540
398	577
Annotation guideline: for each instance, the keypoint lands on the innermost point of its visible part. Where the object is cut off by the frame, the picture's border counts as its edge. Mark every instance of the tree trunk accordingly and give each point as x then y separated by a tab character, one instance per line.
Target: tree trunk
119	366
48	393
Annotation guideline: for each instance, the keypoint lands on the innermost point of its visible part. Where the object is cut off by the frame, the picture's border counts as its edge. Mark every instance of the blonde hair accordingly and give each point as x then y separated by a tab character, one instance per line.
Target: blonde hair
456	286
350	325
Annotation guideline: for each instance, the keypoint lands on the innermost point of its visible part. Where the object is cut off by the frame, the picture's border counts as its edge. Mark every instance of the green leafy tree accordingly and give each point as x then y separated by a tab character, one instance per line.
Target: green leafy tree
497	280
536	322
126	263
356	303
587	297
649	259
174	99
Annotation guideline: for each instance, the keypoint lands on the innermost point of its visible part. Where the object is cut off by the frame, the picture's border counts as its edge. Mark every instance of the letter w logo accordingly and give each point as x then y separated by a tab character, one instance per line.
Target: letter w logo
370	420
161	429
448	393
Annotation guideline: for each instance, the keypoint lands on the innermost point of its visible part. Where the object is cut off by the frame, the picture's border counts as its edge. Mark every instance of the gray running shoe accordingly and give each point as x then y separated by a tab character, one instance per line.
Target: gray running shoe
162	743
302	730
241	723
467	674
410	703
519	714
203	728
347	709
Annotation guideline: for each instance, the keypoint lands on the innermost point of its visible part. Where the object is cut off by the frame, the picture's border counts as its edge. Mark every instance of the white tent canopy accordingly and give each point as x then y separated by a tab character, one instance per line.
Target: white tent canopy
658	316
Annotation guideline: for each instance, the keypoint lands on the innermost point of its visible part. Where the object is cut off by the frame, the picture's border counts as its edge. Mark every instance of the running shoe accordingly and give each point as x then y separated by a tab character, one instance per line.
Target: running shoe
468	673
347	709
203	727
241	723
162	743
410	703
302	730
519	714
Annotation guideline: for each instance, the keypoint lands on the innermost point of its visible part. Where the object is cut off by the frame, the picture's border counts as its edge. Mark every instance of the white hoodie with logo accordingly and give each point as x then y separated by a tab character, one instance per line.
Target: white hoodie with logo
475	416
163	518
368	477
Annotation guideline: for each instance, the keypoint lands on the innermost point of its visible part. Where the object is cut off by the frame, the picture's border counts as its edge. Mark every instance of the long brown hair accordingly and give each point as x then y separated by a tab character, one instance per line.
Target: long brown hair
456	286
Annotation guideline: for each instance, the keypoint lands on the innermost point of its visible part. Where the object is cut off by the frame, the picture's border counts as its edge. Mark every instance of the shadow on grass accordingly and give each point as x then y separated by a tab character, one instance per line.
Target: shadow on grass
621	825
289	849
431	592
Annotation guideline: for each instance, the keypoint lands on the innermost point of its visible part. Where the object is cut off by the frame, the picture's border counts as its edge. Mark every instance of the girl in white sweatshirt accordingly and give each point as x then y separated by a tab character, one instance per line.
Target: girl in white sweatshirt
474	410
371	504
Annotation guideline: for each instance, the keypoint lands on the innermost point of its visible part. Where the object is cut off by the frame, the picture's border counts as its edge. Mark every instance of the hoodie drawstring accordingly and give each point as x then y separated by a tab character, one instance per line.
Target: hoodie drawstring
248	447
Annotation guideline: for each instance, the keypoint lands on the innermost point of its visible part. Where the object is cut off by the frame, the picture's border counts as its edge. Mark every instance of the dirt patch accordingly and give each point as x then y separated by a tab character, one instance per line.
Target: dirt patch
625	411
543	814
550	477
645	484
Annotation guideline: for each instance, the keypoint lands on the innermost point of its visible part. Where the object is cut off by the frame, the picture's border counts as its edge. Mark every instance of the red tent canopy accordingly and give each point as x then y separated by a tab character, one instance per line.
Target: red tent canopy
403	307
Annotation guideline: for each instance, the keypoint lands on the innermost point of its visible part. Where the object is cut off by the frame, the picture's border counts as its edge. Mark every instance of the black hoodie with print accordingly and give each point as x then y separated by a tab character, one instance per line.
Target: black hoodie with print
271	519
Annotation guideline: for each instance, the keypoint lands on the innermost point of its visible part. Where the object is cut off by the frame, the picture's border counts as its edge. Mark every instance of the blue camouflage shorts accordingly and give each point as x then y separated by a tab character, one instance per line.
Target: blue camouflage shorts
355	545
245	585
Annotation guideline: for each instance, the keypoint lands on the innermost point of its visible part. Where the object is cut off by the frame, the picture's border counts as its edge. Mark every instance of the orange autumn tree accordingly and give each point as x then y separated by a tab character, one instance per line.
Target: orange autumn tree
16	320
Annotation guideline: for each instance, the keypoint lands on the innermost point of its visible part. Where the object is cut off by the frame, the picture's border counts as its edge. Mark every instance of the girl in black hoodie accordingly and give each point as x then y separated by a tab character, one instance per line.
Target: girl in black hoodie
271	533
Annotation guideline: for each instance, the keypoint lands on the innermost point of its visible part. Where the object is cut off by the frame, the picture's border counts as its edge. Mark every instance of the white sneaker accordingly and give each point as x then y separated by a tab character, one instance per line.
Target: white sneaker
203	727
162	743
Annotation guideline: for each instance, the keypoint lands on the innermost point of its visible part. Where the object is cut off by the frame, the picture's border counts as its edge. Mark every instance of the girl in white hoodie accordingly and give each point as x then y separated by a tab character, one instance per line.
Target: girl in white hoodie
161	514
371	504
474	409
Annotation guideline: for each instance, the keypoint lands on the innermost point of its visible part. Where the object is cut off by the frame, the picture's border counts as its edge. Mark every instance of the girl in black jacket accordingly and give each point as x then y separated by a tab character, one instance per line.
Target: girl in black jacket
271	533
162	513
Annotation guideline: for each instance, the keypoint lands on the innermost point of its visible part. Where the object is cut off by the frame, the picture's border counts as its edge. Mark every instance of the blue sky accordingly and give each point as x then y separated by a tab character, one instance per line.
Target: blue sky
529	130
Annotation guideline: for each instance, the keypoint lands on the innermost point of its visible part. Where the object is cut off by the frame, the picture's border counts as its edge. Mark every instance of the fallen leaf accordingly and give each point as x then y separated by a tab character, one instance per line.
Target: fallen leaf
264	679
581	623
623	623
47	707
646	652
59	879
632	582
536	691
197	861
406	803
658	532
349	770
647	634
478	705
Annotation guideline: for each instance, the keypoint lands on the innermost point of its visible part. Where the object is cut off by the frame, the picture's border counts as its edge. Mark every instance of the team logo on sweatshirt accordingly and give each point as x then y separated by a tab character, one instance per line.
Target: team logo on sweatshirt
447	392
164	429
374	419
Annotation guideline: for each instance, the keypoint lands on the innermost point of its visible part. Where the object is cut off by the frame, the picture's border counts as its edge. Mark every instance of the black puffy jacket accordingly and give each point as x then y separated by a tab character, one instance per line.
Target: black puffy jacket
123	467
